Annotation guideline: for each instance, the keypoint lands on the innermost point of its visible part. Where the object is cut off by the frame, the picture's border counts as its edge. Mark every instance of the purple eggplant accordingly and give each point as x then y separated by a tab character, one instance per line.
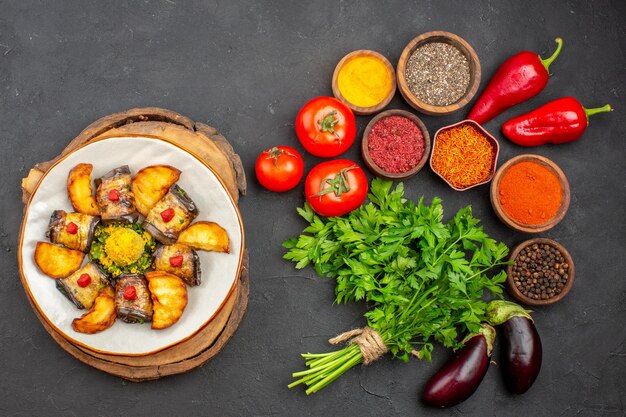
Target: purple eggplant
521	345
462	374
115	197
185	211
82	236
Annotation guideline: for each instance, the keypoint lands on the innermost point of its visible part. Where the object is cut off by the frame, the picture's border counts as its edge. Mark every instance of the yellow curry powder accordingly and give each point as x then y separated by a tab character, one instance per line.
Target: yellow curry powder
124	246
364	81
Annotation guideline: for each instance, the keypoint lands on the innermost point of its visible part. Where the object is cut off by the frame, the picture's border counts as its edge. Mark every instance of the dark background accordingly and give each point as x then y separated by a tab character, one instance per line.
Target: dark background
246	68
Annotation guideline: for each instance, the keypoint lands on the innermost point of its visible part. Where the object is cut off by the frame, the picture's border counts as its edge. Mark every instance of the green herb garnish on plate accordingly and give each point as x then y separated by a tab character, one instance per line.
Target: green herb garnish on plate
122	248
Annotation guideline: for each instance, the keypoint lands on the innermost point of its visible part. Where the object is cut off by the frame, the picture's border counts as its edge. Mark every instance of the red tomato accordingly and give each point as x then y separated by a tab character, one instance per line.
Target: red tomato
326	127
72	228
279	168
336	187
176	261
168	214
130	293
114	195
84	280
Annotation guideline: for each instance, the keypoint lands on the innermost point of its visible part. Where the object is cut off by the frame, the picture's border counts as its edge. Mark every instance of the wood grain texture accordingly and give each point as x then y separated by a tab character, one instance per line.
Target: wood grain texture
211	146
206	141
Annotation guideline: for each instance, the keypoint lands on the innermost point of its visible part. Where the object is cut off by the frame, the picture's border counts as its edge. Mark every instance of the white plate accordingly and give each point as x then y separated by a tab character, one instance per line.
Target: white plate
219	270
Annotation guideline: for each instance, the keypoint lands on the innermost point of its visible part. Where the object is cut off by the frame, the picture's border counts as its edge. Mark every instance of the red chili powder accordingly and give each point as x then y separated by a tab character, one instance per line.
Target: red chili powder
396	144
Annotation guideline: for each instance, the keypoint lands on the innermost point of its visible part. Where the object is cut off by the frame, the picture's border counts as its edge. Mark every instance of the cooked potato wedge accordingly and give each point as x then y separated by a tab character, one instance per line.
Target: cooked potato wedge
57	261
151	184
207	236
80	190
100	316
169	298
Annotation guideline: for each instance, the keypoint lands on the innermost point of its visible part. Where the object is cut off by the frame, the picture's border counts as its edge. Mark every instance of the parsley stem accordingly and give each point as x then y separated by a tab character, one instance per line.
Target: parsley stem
448	248
315	368
486	269
353	358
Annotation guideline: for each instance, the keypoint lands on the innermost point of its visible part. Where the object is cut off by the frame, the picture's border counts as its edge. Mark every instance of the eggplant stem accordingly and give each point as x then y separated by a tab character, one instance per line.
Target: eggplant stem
500	311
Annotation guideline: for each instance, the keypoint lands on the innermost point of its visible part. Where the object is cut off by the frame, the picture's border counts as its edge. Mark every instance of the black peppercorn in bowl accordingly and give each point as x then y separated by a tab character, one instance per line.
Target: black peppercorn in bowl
542	272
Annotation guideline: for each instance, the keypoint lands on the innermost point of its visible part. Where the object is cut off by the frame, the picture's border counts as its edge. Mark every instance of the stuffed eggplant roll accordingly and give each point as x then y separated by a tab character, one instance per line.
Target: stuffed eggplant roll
172	214
132	299
82	286
72	230
179	260
114	196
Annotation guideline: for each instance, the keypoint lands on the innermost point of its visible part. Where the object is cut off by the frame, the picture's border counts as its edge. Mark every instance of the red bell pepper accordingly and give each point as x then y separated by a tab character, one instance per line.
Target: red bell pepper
559	121
519	78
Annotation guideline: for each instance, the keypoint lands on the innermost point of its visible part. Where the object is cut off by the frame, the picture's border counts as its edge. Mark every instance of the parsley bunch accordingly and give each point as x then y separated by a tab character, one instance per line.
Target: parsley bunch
423	279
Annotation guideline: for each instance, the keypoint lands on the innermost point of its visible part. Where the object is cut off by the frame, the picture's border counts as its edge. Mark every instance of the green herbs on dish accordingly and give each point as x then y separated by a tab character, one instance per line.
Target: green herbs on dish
424	279
121	248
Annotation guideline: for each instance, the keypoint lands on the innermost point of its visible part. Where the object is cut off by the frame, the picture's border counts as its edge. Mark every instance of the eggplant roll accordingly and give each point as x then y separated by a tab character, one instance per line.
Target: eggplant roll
139	309
115	197
77	236
179	260
83	297
166	228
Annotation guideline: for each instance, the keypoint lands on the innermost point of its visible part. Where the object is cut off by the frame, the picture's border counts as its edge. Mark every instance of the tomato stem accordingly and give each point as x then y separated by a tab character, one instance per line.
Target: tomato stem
339	184
274	153
327	124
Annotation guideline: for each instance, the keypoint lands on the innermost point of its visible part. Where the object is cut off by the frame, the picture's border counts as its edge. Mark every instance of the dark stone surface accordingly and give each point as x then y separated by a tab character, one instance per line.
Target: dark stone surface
246	68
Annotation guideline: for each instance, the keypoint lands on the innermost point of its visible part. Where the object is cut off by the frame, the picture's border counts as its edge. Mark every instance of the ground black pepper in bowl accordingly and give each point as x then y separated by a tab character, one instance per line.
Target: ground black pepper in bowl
542	272
438	73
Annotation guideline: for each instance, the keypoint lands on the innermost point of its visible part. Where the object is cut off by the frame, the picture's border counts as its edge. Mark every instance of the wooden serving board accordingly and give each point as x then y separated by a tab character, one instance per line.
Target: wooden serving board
208	144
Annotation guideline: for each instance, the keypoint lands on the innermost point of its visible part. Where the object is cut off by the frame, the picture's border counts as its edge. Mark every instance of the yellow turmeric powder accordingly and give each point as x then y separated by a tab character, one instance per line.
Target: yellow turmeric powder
364	81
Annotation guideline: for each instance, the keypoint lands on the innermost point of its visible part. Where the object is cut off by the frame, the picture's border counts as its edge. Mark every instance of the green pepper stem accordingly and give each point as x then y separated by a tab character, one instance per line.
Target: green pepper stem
603	109
546	62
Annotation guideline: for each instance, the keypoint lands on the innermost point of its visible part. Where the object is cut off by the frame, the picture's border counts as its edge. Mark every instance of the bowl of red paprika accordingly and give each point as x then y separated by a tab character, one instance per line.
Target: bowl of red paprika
395	145
530	193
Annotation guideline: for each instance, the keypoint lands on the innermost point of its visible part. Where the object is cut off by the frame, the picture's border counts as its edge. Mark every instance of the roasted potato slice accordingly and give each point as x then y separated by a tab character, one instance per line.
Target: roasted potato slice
80	190
151	184
207	236
100	316
169	298
57	261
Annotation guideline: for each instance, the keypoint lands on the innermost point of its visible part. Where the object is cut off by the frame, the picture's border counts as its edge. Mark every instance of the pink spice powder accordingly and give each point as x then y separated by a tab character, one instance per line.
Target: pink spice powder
396	144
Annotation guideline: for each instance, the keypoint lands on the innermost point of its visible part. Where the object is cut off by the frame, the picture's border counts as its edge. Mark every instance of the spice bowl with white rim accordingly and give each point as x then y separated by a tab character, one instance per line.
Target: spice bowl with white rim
449	93
370	154
471	162
508	219
541	272
368	82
